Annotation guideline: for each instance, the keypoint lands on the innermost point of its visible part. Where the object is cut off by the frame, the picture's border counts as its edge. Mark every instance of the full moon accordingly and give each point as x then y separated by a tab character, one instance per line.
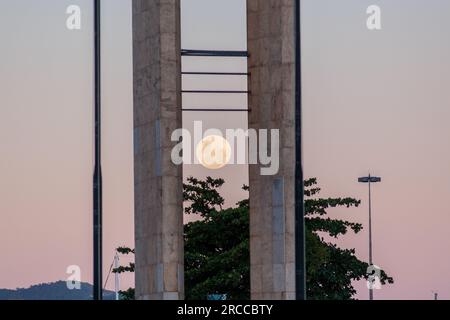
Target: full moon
213	152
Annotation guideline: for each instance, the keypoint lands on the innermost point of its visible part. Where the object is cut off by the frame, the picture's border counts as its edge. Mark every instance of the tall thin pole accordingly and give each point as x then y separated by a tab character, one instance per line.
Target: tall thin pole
98	290
300	267
370	234
116	277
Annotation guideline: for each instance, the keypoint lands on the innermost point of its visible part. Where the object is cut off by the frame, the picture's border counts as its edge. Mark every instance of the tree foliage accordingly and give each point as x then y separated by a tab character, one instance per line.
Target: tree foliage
217	258
130	293
330	269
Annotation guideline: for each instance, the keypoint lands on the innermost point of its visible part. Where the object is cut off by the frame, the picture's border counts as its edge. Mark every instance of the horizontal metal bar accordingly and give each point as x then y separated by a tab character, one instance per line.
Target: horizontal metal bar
217	73
213	91
214	110
213	53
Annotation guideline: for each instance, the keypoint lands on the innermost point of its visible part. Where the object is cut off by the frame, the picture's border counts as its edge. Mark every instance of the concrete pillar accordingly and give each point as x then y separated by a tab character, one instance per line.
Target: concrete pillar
272	101
158	182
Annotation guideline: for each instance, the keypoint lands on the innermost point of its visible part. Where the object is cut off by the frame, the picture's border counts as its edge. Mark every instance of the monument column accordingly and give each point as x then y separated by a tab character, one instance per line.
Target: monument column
271	45
158	182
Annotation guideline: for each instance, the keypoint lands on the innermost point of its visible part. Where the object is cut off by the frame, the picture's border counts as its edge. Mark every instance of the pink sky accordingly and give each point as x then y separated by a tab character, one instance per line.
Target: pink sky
372	101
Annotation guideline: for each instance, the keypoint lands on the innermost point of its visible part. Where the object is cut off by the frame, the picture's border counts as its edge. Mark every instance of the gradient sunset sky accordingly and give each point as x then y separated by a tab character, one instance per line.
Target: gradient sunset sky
373	100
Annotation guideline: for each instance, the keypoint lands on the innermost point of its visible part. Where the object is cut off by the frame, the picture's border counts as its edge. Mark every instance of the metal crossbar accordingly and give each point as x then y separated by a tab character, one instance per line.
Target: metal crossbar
215	53
214	110
215	91
216	73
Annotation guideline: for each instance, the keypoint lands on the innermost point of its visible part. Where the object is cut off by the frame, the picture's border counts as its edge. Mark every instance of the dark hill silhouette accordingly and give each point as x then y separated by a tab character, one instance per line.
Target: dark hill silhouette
52	291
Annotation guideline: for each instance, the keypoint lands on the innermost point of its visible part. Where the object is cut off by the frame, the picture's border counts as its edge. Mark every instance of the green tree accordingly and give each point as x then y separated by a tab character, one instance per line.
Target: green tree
330	270
128	294
217	259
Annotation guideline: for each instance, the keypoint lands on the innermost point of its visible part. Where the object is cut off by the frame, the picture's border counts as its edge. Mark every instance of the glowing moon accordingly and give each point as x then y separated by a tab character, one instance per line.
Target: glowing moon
213	152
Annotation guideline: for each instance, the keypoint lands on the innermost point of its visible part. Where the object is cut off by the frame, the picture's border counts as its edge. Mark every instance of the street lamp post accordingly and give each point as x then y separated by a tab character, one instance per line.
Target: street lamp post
97	188
369	180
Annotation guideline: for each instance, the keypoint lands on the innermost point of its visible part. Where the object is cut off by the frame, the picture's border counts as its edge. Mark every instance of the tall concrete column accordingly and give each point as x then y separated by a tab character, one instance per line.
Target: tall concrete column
158	182
271	47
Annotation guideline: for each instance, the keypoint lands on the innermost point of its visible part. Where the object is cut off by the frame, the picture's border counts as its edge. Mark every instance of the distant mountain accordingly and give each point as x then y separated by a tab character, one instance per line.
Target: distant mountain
52	291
